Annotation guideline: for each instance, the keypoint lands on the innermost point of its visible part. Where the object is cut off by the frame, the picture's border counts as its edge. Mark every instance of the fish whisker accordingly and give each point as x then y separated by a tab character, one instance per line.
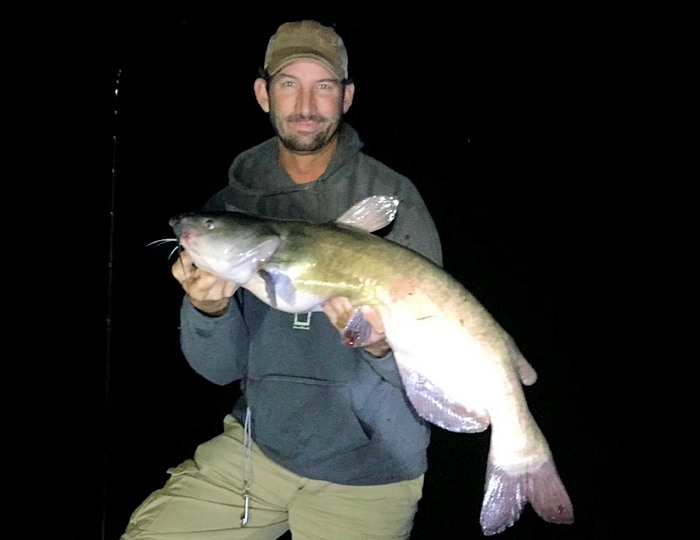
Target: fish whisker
163	241
177	249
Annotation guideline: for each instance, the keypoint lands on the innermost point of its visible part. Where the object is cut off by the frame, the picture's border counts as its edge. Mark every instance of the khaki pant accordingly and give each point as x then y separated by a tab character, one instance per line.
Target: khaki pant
203	499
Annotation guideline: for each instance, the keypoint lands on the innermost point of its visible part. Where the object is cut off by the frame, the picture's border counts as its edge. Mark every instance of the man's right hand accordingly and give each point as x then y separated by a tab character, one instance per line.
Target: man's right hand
206	292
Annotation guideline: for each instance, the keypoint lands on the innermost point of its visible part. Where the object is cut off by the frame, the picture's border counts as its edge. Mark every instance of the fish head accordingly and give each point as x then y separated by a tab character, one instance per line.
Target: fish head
229	245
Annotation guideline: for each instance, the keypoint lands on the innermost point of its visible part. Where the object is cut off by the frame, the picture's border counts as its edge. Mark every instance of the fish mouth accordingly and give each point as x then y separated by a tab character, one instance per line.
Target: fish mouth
187	238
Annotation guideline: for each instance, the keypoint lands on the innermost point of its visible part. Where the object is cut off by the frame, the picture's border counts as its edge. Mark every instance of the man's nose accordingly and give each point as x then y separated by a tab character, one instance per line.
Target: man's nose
305	101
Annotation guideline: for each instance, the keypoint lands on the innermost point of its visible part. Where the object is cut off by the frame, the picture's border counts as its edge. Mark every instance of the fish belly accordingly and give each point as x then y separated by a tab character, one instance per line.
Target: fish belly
439	363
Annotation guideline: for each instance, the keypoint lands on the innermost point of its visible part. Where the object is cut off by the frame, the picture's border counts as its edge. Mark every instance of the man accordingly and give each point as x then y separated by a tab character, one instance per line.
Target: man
323	440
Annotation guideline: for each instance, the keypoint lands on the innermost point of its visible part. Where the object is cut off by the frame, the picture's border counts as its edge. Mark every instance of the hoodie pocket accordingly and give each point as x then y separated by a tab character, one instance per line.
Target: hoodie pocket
304	419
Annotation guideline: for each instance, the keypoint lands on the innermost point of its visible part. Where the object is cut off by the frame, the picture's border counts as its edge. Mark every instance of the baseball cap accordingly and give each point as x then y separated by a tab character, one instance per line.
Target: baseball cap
306	39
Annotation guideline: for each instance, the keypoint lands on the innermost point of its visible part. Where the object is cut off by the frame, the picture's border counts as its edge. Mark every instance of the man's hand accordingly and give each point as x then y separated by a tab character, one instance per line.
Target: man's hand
207	293
339	310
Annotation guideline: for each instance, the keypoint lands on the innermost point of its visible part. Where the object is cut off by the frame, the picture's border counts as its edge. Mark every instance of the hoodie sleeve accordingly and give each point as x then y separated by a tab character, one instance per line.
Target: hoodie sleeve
414	228
215	347
385	367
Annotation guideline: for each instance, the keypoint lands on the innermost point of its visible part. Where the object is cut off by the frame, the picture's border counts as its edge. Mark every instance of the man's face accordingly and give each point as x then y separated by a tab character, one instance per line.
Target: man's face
307	103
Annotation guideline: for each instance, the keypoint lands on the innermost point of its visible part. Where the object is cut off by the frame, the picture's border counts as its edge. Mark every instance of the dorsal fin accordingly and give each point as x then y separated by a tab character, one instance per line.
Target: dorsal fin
371	214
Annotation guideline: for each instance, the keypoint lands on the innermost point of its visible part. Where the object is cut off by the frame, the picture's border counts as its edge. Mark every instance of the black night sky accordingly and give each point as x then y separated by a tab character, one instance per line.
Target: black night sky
535	140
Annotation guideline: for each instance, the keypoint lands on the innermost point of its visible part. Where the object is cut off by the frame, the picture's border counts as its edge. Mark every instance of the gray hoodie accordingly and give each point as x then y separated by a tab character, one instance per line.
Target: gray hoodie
318	408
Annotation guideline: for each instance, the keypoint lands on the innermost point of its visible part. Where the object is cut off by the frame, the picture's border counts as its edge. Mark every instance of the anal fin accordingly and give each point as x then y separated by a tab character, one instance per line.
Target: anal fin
432	404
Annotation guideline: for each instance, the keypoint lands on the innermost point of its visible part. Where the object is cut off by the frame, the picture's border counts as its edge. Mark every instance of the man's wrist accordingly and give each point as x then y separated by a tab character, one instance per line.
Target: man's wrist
379	349
211	308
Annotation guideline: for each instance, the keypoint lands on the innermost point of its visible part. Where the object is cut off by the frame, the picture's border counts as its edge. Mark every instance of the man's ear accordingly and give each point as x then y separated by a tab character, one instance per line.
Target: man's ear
347	97
260	89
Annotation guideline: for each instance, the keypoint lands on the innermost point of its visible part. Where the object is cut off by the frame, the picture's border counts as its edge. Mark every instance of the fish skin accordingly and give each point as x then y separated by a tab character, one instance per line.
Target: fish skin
429	317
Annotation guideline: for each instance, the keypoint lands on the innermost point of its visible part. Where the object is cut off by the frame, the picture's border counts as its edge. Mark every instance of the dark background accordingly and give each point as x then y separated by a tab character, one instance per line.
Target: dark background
549	147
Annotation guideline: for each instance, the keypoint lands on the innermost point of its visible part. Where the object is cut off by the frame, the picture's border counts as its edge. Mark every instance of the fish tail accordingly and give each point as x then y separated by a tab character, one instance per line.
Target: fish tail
507	493
548	496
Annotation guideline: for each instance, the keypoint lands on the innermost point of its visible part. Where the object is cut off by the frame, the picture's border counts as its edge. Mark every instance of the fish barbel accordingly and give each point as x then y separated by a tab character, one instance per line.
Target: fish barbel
460	369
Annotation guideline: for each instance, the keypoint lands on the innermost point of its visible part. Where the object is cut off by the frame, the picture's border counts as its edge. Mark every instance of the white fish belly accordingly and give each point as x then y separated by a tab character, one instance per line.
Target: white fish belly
445	371
461	379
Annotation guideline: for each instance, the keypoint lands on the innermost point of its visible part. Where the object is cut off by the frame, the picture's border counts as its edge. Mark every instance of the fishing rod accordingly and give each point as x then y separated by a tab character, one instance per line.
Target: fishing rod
108	315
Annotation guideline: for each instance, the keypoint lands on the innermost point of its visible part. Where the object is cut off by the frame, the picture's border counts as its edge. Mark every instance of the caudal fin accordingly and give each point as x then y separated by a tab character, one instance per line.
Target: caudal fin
506	494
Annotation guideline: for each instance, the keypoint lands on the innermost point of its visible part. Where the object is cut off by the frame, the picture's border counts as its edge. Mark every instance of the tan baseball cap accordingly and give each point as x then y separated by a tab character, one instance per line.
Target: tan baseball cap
307	39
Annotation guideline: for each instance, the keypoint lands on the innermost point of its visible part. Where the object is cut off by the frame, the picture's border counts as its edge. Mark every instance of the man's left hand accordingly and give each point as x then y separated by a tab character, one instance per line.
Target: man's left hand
339	310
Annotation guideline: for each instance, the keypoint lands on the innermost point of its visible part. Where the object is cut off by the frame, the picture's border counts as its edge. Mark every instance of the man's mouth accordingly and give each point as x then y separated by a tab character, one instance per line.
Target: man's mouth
311	121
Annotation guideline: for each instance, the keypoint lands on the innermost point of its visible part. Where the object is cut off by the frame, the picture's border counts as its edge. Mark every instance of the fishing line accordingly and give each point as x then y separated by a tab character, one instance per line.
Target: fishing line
110	260
110	268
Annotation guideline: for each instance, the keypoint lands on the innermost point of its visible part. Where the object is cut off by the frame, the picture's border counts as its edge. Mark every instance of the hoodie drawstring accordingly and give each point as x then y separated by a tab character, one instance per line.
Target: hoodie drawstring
247	467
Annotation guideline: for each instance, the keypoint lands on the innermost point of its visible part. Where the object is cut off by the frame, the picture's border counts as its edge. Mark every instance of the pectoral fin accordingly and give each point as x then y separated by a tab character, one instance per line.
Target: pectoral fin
277	284
274	286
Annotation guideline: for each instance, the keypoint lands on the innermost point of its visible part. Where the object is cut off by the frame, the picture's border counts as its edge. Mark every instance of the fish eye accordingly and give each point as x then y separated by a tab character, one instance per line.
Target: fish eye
210	223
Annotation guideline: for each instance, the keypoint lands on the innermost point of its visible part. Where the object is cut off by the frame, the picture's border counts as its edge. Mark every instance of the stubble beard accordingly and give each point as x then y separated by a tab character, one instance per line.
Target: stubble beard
298	143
